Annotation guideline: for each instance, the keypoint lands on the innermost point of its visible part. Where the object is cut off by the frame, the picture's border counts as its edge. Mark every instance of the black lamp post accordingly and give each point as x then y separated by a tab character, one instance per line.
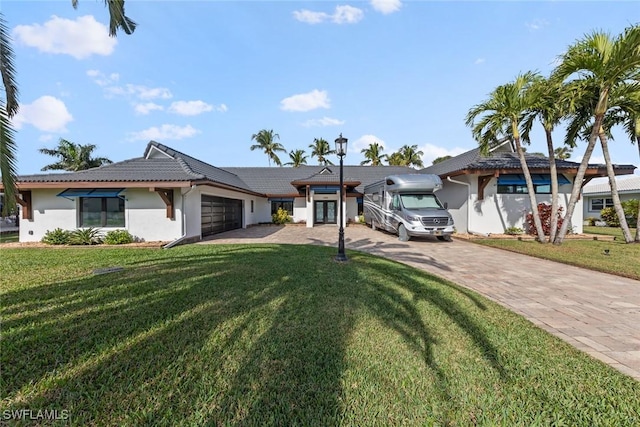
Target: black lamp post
341	151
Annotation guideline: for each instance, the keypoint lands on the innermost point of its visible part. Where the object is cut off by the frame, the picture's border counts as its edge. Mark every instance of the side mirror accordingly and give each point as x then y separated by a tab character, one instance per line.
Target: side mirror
446	205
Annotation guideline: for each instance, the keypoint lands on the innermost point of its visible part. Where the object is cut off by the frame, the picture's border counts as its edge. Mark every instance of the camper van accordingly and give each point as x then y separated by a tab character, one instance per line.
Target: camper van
407	206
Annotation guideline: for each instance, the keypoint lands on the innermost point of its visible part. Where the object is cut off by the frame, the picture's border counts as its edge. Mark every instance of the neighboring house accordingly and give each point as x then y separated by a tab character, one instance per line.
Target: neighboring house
489	194
597	196
167	195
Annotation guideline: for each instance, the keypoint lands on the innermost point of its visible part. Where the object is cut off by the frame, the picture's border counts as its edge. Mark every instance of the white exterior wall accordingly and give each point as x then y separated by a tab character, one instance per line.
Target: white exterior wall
496	212
146	215
49	212
300	209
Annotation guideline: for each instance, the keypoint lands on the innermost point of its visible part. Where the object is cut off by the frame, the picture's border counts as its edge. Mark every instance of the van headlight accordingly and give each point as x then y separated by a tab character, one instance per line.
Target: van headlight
450	222
412	218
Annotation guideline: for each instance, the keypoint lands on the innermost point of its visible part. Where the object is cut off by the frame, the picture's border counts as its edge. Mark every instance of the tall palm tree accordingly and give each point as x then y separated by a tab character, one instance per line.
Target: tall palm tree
9	106
600	62
395	159
266	141
412	156
501	115
545	104
563	153
73	157
297	158
373	154
320	149
440	159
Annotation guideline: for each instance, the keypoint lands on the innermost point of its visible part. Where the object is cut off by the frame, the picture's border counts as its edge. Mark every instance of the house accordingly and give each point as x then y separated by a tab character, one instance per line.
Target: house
166	195
488	194
597	195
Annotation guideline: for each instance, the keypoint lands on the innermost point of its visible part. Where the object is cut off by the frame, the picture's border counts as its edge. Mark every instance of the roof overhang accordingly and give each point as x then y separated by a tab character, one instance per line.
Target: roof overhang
592	172
301	182
101	184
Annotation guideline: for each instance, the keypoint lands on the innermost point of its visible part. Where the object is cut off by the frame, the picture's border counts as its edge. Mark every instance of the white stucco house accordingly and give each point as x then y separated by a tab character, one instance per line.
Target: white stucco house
166	195
597	195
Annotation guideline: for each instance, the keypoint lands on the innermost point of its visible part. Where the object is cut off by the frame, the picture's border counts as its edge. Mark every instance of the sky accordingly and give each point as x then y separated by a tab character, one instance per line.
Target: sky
203	76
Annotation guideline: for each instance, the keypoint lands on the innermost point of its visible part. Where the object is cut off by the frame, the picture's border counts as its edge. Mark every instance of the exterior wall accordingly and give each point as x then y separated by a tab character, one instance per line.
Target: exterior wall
588	213
299	210
496	212
49	212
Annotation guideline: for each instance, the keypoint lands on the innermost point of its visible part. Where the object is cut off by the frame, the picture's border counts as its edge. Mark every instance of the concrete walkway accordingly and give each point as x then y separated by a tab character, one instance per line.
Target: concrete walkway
595	312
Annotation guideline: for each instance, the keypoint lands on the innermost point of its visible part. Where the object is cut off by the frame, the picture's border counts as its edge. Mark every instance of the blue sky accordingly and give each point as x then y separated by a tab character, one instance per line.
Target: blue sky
203	76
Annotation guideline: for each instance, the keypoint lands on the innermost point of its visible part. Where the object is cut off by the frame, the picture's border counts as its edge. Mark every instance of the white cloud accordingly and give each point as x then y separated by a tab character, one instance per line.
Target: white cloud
386	6
146	108
479	61
306	101
47	113
431	152
189	108
102	79
222	108
347	15
46	137
80	38
139	91
325	121
341	15
536	24
364	141
310	17
164	132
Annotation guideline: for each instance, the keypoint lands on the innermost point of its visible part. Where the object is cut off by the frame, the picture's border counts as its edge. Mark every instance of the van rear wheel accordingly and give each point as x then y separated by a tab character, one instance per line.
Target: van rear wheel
403	236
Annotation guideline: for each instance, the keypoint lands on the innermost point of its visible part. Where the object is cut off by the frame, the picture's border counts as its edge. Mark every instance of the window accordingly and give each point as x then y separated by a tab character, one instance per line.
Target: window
522	189
516	184
286	205
101	212
596	205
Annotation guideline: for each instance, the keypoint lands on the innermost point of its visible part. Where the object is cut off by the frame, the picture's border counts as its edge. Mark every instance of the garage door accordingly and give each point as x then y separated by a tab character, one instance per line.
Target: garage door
220	214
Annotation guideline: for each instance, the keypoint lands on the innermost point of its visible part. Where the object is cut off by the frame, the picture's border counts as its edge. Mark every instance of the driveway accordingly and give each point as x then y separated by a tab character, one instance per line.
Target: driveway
595	312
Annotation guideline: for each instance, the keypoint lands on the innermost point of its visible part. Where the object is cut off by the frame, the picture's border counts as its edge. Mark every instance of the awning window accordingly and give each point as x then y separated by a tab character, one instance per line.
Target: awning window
538	179
281	199
325	189
71	193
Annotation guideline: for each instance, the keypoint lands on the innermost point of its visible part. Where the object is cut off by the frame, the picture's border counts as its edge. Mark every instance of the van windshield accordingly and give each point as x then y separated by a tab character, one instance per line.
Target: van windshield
420	201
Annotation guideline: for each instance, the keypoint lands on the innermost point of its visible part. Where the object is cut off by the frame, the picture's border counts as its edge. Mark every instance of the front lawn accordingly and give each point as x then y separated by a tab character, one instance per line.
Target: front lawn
607	231
281	335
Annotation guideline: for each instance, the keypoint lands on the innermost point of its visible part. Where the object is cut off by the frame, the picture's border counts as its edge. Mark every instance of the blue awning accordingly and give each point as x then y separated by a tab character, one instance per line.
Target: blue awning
70	193
325	189
538	179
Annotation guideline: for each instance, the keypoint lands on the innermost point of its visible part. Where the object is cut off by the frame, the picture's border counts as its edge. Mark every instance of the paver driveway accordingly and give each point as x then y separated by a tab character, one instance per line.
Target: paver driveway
596	312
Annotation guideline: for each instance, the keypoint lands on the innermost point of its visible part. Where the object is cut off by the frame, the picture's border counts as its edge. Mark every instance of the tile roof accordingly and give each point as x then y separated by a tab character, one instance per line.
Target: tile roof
626	185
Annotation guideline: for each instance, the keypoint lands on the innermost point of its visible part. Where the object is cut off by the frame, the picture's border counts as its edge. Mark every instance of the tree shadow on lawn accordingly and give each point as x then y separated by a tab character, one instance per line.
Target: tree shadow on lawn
184	340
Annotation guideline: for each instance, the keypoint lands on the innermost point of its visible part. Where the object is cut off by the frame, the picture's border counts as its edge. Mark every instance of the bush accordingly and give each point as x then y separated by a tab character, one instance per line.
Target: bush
118	237
630	208
591	221
281	217
544	210
514	231
85	236
56	237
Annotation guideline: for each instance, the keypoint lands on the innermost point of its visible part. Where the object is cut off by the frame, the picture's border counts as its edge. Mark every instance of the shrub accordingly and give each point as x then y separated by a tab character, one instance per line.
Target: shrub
513	231
118	237
591	221
85	236
281	217
56	237
544	210
630	208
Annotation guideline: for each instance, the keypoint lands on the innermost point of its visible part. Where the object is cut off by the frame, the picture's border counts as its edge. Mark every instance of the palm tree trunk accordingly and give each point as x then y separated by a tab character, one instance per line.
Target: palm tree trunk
531	191
614	188
577	181
637	238
553	172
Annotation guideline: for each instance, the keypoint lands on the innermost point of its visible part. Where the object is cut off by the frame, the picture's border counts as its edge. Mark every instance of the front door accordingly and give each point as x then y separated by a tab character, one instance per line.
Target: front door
325	212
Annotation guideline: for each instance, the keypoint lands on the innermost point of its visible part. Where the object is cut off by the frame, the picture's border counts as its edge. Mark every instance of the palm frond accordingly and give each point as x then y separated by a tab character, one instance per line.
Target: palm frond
7	70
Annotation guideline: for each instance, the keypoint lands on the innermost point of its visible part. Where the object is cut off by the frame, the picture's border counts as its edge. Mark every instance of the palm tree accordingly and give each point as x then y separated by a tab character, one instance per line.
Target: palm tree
266	141
601	63
9	106
320	149
73	157
395	159
546	105
563	153
297	158
411	156
501	115
440	159
373	154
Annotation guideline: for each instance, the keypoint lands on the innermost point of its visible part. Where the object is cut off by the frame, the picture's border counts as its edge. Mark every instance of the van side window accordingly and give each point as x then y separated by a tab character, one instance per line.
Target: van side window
396	202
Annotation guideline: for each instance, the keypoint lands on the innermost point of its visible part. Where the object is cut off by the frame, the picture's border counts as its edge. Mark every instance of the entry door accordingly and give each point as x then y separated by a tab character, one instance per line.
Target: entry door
326	212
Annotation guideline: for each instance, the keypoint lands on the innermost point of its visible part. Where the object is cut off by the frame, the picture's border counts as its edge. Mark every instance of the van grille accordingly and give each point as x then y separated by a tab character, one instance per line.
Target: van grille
437	221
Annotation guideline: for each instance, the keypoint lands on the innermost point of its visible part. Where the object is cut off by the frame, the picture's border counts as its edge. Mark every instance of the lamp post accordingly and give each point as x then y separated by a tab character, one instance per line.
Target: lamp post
341	151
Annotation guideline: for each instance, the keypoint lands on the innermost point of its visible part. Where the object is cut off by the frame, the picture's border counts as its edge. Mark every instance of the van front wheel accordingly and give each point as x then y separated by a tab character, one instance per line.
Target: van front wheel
403	236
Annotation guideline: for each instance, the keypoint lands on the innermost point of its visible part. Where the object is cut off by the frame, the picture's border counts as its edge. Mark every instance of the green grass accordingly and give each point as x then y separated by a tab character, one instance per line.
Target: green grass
9	237
281	335
623	258
607	231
